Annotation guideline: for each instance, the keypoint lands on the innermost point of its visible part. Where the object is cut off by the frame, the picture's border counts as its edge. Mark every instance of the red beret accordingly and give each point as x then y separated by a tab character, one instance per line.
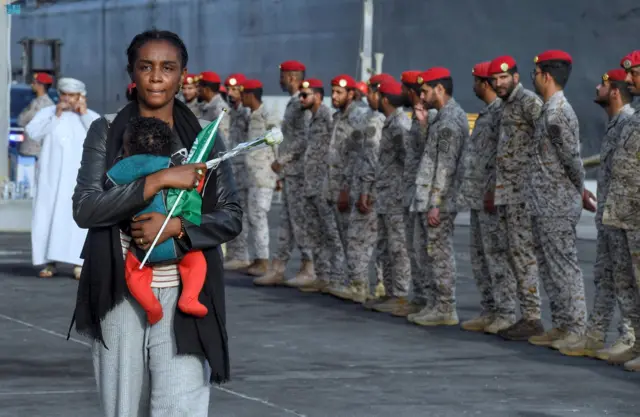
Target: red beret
344	80
481	70
617	74
210	77
223	89
190	79
362	86
377	79
292	66
553	55
392	88
631	60
501	64
43	78
410	77
312	83
433	74
235	79
251	85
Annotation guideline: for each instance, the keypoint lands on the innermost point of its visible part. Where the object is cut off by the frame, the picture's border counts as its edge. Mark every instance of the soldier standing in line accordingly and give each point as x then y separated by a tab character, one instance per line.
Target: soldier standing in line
488	248
290	163
435	199
622	207
389	197
237	256
361	91
556	189
613	277
363	223
420	120
507	195
212	102
346	140
40	86
259	175
190	94
324	239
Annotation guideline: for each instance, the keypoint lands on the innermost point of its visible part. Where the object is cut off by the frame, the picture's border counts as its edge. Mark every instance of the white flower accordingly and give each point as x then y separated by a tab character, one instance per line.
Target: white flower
273	137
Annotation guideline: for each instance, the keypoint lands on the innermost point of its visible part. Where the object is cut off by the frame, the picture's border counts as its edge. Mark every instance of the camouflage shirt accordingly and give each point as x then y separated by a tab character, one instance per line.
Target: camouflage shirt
609	145
347	137
238	125
478	157
415	150
513	162
366	175
315	157
258	162
195	106
389	195
294	129
556	178
622	207
211	111
436	181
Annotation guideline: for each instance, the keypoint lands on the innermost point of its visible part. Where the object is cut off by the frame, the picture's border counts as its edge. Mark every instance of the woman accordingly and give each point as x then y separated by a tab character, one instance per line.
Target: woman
180	354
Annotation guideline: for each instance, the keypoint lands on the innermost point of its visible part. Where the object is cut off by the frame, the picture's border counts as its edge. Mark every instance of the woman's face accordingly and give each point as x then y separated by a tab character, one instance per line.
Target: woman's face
157	73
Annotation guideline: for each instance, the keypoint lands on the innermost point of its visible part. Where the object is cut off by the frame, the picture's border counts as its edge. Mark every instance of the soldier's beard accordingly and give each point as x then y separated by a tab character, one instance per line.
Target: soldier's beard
602	101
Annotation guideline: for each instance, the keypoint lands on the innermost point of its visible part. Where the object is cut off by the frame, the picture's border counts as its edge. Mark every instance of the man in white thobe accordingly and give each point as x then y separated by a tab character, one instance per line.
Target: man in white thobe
61	130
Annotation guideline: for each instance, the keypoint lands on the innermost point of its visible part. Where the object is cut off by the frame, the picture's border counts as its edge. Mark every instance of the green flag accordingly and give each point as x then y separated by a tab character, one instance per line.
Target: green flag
189	202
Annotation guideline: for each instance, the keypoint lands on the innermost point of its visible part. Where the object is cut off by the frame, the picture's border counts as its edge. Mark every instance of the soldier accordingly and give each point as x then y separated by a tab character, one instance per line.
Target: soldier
290	163
488	249
212	101
507	195
435	196
612	272
40	86
259	175
556	185
190	94
415	148
346	139
622	206
237	256
360	93
324	240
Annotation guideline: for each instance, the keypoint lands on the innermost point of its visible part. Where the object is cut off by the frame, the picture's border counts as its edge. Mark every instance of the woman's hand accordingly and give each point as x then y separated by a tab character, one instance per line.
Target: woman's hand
183	177
145	228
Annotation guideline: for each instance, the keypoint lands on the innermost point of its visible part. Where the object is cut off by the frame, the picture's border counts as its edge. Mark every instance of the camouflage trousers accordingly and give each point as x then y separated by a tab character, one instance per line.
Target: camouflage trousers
362	236
257	208
238	248
415	239
613	279
514	222
342	220
324	241
391	246
440	261
560	273
633	243
291	230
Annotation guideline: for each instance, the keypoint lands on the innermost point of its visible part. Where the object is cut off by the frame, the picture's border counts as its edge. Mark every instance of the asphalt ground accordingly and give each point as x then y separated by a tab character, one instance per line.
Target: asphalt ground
296	354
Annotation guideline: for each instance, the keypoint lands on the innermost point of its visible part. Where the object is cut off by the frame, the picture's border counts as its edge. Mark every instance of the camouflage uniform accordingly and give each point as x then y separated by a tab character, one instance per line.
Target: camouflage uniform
28	146
415	238
347	134
261	181
622	208
613	277
324	239
436	188
556	186
488	251
211	110
291	152
521	110
362	234
195	106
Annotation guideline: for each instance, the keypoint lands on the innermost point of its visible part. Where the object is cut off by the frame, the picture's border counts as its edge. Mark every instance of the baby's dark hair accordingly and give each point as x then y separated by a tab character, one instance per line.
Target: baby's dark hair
155	35
147	135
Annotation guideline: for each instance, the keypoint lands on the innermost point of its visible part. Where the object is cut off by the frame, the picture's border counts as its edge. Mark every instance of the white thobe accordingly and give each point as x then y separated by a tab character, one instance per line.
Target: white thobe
55	236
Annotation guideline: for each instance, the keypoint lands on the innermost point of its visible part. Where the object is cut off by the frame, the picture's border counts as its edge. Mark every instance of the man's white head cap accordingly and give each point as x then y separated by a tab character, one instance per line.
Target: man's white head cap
71	86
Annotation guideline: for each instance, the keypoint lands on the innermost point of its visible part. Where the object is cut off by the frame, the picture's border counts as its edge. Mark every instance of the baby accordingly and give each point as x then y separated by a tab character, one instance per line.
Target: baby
147	149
